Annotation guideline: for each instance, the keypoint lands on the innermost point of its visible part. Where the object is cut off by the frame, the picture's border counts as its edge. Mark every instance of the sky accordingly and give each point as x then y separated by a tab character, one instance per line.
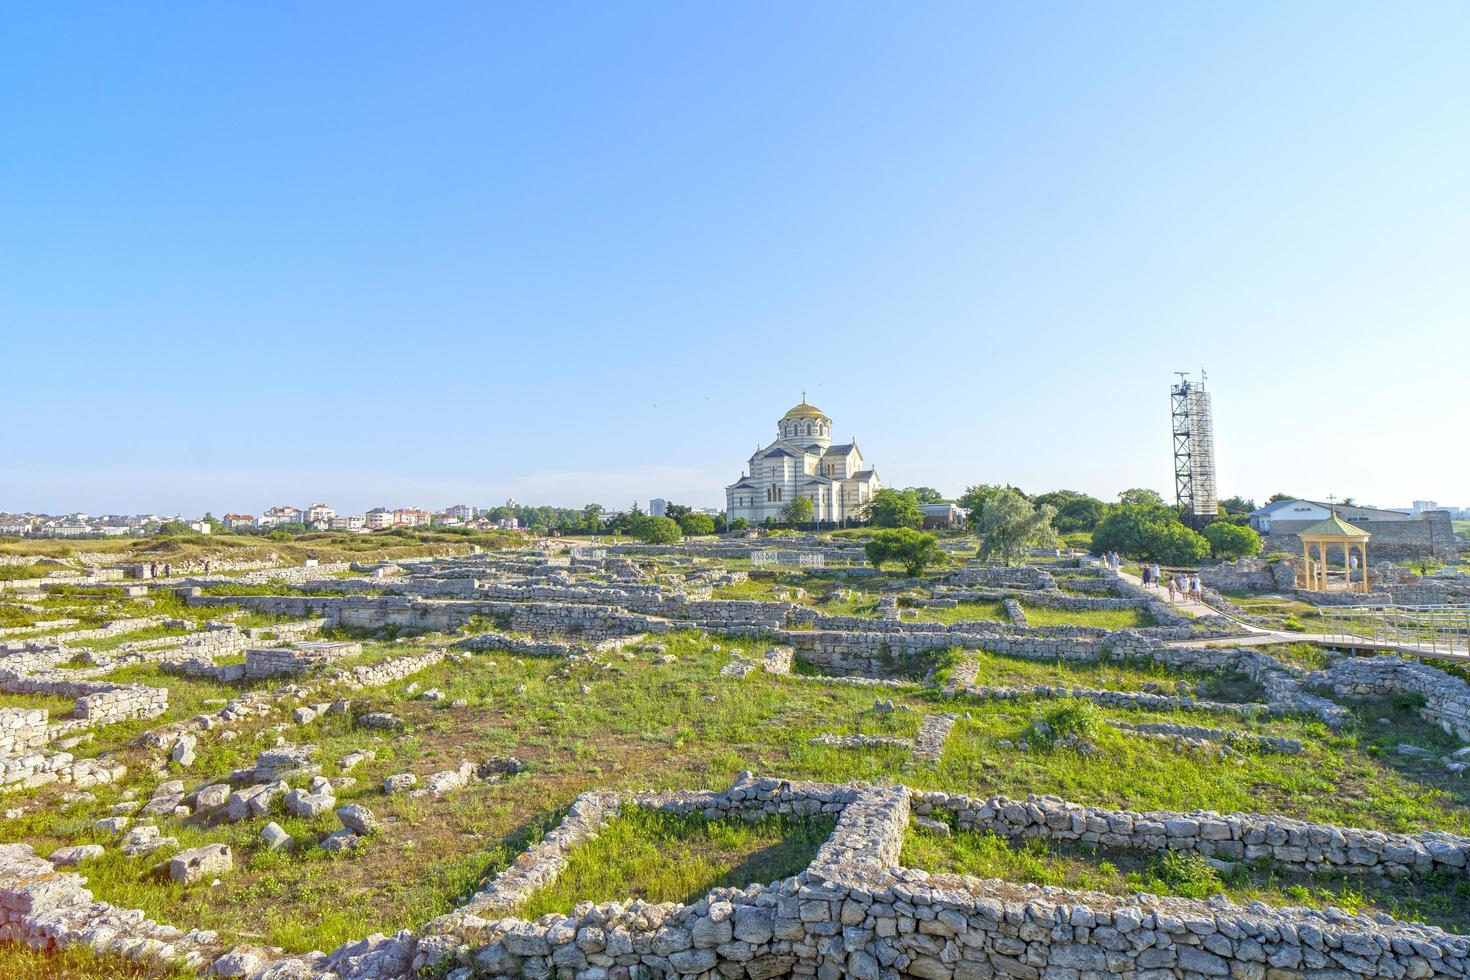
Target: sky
405	255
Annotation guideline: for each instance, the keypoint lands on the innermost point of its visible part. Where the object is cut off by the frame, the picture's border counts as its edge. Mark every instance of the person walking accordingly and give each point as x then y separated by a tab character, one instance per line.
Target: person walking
1173	587
1147	575
1158	573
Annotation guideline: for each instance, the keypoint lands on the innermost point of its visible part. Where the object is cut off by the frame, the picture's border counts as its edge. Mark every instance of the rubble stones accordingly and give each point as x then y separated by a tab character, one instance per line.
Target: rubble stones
68	856
357	818
274	837
199	863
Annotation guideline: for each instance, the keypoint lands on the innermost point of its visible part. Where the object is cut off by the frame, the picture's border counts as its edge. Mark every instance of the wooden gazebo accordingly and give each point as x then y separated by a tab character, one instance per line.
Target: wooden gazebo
1333	532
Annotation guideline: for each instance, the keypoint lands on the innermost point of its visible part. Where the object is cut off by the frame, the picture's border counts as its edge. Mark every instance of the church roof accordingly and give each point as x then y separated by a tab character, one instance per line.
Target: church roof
843	450
776	450
741	484
805	411
867	474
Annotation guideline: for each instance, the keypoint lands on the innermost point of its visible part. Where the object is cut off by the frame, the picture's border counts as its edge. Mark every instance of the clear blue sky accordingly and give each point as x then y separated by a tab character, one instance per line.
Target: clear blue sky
387	254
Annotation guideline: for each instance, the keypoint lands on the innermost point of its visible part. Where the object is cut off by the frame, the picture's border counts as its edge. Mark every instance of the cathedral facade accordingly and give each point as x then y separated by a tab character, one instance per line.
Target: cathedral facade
802	462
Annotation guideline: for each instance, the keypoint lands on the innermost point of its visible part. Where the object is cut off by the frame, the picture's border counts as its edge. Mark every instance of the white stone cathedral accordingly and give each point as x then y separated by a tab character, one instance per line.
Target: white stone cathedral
802	462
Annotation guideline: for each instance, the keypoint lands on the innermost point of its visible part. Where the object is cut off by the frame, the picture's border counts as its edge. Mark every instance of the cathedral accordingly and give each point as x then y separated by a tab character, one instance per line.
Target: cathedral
802	462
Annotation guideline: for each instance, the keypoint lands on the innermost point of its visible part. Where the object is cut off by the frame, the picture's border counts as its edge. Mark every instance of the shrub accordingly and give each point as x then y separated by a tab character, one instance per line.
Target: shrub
894	508
1231	541
656	530
914	550
1183	873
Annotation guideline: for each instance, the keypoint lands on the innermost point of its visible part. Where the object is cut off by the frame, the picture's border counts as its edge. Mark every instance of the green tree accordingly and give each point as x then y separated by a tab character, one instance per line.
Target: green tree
692	524
1075	511
972	501
914	550
893	508
1276	498
656	530
925	495
1140	496
592	517
799	511
1175	544
739	524
1150	531
1009	525
1231	541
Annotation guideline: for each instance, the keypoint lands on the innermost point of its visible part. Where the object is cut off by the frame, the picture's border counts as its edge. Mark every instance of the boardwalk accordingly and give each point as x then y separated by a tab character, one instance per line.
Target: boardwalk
1449	646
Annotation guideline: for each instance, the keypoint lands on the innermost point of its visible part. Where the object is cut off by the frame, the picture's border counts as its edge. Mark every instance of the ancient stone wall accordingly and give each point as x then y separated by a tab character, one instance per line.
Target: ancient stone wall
1296	845
1446	698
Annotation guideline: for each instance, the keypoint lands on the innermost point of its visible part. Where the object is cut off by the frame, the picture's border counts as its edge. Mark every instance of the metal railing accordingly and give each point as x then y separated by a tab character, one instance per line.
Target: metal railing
1441	630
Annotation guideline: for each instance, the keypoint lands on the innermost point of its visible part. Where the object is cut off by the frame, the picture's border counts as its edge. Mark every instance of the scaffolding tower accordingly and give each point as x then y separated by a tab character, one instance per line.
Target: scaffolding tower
1194	448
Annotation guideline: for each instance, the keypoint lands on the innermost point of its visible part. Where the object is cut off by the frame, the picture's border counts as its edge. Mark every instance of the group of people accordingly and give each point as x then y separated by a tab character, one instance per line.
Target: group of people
1113	560
1185	584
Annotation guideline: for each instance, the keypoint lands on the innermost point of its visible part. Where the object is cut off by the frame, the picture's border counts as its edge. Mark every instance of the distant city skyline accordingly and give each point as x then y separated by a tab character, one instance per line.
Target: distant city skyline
478	252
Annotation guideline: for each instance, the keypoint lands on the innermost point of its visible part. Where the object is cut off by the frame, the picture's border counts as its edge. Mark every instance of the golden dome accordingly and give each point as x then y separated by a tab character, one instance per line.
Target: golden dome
805	411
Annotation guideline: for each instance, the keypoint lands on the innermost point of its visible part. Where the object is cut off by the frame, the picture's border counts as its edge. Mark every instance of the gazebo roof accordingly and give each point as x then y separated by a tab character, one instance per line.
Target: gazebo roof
1333	527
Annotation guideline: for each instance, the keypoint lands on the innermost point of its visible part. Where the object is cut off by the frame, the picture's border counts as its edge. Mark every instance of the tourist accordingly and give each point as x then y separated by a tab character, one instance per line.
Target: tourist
1173	584
1158	573
1194	586
1147	575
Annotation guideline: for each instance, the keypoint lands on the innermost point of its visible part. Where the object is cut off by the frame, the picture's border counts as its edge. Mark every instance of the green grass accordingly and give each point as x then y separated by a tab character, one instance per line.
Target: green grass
19	962
664	857
1108	619
1441	900
1000	670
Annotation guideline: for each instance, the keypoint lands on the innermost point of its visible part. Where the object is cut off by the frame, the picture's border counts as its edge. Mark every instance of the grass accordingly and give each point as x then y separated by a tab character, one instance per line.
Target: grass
664	857
999	670
1108	619
1440	900
19	962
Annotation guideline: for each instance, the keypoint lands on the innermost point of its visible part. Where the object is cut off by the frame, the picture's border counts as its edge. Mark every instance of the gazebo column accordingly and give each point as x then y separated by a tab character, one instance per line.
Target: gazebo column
1307	565
1363	547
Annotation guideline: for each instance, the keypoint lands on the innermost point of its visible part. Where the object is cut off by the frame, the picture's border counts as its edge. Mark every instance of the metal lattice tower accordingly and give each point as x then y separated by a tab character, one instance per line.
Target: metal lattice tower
1194	448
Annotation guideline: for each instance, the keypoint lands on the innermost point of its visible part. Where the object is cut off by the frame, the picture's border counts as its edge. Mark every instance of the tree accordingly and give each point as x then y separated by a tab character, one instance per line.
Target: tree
1140	496
1150	531
799	511
925	495
692	524
1010	524
972	501
1075	511
1276	498
739	524
656	530
1175	544
592	516
1231	541
894	508
914	550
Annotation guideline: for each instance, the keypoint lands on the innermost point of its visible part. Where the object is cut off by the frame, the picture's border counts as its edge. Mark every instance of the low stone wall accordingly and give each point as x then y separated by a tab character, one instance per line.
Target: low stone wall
98	702
1225	737
1446	698
1019	577
299	659
545	648
119	702
22	729
1298	846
